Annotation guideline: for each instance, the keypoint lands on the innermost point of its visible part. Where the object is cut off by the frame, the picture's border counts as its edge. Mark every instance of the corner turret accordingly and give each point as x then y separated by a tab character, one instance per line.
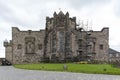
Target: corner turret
6	43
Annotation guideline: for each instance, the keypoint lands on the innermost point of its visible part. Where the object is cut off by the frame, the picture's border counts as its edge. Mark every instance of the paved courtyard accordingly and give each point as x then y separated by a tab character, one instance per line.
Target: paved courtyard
11	73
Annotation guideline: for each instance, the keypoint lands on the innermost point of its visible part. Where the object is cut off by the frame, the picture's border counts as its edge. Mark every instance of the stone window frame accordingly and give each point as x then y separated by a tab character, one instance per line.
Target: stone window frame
40	46
19	46
30	40
61	40
101	46
80	43
68	39
53	41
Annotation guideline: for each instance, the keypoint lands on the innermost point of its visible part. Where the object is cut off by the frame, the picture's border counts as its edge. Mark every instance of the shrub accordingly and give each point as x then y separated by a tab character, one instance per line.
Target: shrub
82	62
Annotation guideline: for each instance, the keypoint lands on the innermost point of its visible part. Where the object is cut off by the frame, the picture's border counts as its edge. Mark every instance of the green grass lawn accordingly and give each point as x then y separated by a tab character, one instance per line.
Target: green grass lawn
72	67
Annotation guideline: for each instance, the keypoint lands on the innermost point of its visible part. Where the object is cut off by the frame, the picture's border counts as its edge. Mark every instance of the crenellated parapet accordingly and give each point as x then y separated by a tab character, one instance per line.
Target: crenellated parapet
7	44
60	20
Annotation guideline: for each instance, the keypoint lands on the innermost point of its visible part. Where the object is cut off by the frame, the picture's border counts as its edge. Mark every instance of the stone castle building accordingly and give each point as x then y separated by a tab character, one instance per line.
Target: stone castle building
60	41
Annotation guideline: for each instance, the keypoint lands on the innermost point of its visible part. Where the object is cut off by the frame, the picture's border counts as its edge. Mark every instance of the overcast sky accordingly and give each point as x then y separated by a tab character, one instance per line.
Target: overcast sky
31	15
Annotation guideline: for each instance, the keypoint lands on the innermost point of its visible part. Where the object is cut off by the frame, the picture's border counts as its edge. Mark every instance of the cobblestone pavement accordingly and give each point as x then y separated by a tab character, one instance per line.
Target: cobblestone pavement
11	73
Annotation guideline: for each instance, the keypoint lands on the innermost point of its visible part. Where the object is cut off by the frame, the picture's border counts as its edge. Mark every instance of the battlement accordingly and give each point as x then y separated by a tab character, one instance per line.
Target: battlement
7	44
60	20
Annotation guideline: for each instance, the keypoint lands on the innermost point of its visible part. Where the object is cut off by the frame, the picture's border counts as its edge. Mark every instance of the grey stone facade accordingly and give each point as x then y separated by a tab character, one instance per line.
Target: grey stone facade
25	47
60	41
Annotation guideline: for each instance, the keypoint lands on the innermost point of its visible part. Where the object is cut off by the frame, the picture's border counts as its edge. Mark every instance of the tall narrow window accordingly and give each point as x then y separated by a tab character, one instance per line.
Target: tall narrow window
61	41
68	42
80	43
53	42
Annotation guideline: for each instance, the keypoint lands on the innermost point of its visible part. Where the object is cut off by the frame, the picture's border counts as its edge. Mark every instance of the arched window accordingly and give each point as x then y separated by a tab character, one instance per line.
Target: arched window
61	41
53	42
68	41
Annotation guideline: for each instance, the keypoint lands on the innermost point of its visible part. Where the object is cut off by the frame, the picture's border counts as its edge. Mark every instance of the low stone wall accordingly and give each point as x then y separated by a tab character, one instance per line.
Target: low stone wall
114	59
1	61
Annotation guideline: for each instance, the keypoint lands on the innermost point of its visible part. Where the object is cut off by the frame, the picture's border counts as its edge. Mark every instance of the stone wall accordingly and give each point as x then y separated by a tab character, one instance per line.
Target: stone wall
8	54
8	50
102	41
95	44
0	61
27	46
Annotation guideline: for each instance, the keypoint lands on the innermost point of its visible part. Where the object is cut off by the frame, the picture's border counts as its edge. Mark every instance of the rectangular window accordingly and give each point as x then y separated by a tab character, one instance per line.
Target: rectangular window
80	43
39	46
19	46
101	46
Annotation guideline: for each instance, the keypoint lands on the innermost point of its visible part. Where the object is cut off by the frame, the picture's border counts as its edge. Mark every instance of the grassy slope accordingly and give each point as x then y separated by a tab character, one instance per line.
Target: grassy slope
85	68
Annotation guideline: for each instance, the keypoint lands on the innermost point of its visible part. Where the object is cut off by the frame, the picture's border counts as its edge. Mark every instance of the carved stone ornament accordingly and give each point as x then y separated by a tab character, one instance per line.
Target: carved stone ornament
30	45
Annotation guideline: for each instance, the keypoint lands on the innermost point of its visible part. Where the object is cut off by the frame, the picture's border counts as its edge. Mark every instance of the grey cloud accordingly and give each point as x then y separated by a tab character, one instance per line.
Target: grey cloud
77	4
6	14
39	8
117	8
36	8
4	10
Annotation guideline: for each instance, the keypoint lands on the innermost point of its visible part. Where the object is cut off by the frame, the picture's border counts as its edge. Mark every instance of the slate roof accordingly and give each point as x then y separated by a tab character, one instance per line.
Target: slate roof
112	51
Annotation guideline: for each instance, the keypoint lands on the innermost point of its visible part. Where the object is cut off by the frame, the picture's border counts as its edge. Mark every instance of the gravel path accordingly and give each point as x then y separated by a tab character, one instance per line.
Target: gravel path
11	73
